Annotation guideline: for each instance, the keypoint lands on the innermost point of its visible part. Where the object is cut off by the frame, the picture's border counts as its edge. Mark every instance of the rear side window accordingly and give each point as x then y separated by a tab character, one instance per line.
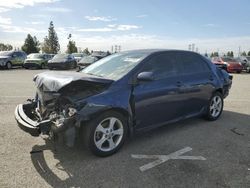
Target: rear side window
190	63
20	54
162	65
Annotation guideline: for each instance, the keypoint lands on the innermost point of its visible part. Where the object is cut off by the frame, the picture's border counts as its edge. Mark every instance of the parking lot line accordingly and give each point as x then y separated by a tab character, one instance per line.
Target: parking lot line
163	158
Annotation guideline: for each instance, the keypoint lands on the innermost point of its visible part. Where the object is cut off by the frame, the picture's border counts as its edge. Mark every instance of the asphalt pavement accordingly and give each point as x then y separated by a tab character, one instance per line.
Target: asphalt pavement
217	153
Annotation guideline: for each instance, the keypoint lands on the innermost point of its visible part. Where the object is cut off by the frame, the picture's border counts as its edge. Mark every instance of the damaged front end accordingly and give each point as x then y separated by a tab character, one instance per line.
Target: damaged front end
55	107
26	120
42	117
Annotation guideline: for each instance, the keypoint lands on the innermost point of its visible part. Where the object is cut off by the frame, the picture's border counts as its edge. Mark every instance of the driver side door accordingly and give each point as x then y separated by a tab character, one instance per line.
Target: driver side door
159	101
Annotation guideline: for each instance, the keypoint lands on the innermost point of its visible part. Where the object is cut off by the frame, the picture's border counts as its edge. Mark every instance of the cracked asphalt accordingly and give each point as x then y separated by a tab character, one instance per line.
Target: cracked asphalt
224	143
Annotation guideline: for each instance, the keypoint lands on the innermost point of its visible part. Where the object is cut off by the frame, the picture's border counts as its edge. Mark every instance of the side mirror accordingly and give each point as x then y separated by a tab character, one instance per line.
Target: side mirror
145	76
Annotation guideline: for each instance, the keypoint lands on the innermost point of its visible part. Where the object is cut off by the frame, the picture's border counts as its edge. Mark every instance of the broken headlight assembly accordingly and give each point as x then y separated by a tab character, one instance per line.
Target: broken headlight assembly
62	118
71	111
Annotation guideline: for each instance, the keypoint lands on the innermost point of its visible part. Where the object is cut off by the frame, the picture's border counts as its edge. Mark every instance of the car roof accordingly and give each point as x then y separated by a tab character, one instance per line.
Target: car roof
151	51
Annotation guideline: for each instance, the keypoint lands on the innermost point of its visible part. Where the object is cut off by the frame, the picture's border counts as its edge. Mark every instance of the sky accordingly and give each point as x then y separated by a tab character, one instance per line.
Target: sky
134	24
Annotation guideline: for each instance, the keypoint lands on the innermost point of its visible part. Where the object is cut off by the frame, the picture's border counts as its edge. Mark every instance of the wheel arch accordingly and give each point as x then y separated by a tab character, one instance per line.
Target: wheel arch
220	90
122	111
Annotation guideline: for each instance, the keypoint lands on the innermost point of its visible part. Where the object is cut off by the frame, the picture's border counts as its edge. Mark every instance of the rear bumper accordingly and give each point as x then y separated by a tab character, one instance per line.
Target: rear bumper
234	69
59	65
222	66
27	124
31	65
227	86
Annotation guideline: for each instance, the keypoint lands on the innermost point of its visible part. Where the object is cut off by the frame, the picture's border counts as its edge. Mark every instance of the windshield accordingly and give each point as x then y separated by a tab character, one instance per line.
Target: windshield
115	66
61	56
5	53
35	56
88	59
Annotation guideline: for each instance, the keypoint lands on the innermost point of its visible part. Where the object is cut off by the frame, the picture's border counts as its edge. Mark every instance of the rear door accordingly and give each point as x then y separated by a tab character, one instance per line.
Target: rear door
197	81
15	58
158	101
20	58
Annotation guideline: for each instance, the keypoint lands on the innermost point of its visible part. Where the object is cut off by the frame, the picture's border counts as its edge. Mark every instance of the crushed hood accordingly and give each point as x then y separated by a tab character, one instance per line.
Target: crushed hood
55	80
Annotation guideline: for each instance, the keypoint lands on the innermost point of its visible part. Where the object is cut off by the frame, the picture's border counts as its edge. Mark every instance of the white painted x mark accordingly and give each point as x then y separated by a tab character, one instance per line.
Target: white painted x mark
163	158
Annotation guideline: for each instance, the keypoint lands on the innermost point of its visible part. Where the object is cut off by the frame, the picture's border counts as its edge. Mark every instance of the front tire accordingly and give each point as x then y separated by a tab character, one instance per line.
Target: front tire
42	66
106	134
215	107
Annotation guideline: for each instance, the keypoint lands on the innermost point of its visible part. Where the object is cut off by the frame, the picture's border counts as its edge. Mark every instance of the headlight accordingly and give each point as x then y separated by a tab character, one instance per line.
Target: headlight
225	63
71	111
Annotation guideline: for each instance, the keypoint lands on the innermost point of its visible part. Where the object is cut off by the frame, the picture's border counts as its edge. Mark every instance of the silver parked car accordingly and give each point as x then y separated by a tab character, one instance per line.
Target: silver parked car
245	61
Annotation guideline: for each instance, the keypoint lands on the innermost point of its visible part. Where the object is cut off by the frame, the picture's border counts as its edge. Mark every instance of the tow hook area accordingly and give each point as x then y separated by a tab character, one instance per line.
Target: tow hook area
23	115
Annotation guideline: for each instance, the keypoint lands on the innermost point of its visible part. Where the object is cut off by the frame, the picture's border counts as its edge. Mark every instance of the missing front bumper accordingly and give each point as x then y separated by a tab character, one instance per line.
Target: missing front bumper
28	125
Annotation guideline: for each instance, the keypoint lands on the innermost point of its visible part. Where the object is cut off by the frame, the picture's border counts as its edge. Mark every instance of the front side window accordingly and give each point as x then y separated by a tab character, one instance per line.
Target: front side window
162	65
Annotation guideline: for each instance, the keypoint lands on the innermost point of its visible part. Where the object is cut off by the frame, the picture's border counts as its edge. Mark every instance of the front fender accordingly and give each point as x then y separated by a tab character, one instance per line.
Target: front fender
118	101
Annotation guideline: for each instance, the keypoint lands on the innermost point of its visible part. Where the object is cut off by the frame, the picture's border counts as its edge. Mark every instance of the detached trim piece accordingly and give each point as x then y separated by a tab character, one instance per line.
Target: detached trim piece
25	123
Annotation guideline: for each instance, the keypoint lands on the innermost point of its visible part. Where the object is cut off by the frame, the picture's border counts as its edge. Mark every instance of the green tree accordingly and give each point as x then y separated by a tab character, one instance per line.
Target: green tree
232	54
31	45
71	47
51	44
244	54
5	47
216	54
86	51
248	54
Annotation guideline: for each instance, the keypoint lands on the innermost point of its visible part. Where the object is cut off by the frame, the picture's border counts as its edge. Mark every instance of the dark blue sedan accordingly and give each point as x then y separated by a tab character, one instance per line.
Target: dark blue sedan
124	93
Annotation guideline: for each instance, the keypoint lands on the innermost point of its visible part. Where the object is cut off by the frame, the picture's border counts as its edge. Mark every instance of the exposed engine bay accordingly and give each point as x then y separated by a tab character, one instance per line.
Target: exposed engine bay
56	104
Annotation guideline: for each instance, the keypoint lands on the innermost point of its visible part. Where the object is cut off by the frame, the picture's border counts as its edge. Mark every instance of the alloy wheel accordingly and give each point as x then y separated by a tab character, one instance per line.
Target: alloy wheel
215	106
108	134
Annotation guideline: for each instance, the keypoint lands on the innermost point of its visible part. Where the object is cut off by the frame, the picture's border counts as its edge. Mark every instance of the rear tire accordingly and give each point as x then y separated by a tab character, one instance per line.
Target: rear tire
215	107
8	65
106	134
75	65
